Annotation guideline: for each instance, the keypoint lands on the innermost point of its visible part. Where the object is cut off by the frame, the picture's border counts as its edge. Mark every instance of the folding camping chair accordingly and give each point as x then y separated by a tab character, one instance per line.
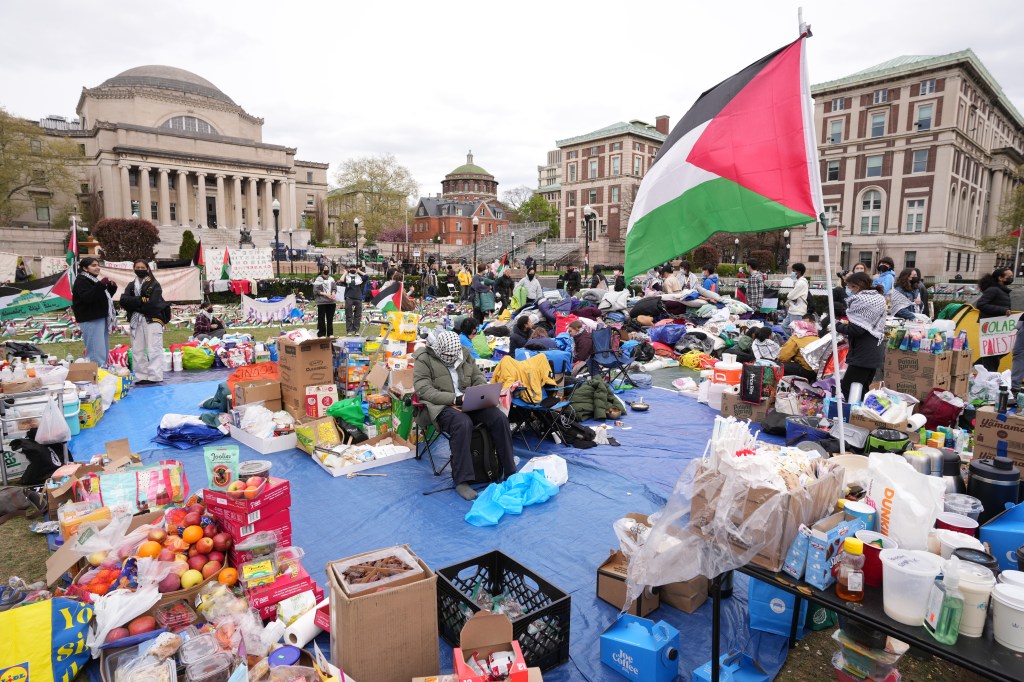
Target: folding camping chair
545	416
607	359
427	434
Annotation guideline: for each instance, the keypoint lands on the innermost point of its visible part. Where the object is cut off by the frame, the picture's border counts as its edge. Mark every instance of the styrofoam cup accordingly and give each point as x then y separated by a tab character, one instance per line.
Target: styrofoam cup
1008	616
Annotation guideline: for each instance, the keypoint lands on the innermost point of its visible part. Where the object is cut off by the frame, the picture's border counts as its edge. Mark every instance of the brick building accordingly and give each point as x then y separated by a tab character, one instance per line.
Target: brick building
469	192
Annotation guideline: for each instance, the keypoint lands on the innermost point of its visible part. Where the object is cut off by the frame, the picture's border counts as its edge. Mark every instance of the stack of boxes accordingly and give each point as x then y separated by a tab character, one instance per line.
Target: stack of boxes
379	413
917	373
960	372
300	365
351	362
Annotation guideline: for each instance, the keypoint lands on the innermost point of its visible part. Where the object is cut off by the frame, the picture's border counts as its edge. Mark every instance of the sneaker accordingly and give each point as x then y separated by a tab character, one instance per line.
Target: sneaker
466	492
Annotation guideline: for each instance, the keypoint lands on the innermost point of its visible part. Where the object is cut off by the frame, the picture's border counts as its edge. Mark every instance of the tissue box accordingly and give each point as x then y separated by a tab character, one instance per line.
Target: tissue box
640	649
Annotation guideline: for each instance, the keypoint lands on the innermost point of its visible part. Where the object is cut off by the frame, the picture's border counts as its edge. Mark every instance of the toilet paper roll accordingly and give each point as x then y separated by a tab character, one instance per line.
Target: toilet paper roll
302	631
917	421
733	388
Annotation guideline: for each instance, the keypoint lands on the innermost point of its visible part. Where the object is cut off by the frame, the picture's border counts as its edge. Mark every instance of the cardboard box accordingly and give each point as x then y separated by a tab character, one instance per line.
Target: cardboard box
959	385
732	406
962	362
300	365
279	590
533	675
872	424
929	366
319	398
400	382
21	385
611	586
775	536
267	391
264	446
1004	534
322	617
90	413
998	431
83	371
687	596
66	557
279	523
276	497
403	617
640	649
917	386
483	634
374	463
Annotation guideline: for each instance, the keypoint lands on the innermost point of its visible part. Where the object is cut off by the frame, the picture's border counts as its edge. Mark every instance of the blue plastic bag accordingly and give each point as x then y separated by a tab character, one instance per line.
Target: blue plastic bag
771	609
518	491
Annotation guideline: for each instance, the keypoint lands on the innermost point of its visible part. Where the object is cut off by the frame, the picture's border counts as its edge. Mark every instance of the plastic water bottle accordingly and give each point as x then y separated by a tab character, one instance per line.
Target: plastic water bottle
70	358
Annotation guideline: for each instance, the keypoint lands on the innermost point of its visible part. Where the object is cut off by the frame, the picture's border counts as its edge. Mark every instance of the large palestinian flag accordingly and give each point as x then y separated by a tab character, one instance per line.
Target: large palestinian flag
742	159
389	297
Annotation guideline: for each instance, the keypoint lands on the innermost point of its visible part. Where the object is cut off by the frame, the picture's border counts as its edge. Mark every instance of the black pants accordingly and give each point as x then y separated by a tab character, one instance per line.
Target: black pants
857	375
353	315
325	319
990	362
797	370
459	427
478	315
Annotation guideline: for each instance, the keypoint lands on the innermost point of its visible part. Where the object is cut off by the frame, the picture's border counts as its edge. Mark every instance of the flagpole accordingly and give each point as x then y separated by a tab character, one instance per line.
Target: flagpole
1016	256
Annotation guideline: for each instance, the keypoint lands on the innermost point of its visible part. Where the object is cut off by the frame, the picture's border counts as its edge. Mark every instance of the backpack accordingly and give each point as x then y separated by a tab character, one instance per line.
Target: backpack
486	467
43	460
643	352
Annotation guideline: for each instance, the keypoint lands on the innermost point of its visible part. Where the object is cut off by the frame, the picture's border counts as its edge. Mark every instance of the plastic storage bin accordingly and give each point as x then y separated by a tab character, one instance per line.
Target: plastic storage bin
71	408
289	561
907	577
867	663
542	629
155	672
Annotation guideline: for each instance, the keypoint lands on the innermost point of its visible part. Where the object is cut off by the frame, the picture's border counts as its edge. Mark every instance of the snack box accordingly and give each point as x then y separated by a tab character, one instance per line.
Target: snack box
277	496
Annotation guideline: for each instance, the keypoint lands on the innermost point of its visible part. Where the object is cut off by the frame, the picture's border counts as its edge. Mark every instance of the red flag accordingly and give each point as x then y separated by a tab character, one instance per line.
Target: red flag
1015	233
833	233
63	286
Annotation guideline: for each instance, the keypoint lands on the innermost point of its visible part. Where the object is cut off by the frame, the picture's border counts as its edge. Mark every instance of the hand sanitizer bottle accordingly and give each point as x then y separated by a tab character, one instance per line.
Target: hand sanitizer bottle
945	605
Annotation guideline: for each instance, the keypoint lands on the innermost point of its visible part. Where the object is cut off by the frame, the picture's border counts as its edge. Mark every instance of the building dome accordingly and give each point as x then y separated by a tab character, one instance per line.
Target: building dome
469	168
168	78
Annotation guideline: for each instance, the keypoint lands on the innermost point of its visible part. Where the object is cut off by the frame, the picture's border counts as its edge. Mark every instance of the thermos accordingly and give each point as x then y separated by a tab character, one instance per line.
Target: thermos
951	472
994	482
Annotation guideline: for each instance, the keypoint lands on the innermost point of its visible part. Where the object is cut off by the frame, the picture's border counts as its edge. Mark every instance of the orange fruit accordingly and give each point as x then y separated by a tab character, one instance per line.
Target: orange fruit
228	576
150	549
192	534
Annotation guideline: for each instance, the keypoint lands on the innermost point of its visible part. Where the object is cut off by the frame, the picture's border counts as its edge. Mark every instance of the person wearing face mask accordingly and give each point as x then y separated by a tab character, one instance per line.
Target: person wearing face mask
326	291
206	324
534	291
865	331
687	279
504	286
903	300
354	278
994	302
143	300
93	305
796	301
885	277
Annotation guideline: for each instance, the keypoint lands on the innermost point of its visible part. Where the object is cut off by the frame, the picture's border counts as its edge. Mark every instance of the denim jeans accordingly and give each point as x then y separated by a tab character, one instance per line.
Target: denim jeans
96	335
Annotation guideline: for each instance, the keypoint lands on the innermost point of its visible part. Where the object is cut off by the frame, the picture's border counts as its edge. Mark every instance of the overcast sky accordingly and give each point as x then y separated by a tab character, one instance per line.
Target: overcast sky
427	81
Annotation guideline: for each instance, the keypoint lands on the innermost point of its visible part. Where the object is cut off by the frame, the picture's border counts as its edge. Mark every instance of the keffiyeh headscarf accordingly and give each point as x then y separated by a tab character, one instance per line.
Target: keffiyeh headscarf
802	328
867	310
447	346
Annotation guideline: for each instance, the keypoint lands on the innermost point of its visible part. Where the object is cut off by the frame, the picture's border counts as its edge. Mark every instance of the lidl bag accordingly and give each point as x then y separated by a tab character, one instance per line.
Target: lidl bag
771	609
44	640
402	326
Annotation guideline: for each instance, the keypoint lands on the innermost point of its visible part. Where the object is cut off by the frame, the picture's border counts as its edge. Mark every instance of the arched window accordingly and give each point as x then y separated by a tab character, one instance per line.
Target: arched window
961	217
188	124
871	212
951	213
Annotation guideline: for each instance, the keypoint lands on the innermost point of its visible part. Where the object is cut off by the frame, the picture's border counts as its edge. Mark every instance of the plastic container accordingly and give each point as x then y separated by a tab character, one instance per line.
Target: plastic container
383	577
949	540
868	663
964	505
176	361
262	543
166	671
215	668
175	614
977	556
839	664
261	570
976	583
728	372
888	440
286	655
715	392
872	560
254	467
907	577
1012	577
168	361
198	648
287	673
71	408
289	561
1008	616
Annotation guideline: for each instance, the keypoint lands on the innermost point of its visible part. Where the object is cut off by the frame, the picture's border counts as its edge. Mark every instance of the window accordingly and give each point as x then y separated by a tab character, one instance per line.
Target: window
927	88
948	254
571	155
84	188
171	179
615	147
571	172
310	199
637	147
865	258
133	177
476	186
910	259
592	169
838	104
877	124
924	117
915	216
81	149
832	171
920	161
458	227
188	124
614	195
874	166
174	212
871	212
638	165
38	176
880	96
43	212
309	176
592	196
570	198
152	180
593	150
617	165
835	131
153	210
36	146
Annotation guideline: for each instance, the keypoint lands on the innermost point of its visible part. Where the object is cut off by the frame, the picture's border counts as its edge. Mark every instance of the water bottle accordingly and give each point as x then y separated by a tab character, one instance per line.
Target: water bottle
1004	399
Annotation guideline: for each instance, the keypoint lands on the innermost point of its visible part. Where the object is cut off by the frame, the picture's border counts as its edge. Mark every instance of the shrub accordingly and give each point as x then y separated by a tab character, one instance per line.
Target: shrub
188	246
764	258
726	270
704	255
125	239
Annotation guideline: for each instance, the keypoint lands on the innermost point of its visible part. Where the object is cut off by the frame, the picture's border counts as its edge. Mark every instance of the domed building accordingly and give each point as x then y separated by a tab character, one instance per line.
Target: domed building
468	193
172	146
469	182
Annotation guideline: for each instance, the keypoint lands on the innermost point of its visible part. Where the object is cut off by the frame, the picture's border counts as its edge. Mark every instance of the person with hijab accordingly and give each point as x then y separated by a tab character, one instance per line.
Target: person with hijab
534	291
904	302
326	291
865	331
616	299
143	300
443	371
92	303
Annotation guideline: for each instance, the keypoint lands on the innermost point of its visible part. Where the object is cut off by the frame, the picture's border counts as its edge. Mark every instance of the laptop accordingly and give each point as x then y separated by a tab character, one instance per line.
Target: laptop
478	397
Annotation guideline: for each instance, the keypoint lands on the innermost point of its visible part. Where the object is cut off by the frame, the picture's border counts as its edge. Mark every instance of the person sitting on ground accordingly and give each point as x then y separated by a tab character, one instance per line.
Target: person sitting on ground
206	324
467	330
617	299
583	341
534	291
520	334
669	282
541	340
804	333
443	371
764	346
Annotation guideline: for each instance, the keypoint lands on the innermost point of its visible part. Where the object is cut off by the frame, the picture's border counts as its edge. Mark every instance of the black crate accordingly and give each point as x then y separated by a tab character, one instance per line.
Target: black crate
542	631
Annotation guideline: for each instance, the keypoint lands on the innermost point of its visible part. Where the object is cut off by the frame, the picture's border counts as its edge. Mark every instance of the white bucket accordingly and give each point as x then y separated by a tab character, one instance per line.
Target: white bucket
167	361
715	392
907	577
176	360
976	583
1008	616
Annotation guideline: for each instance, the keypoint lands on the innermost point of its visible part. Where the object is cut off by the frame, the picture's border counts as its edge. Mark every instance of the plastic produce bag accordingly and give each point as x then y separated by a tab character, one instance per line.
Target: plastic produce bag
984	385
108	389
55	377
116	608
53	428
195	358
908	502
553	467
632	534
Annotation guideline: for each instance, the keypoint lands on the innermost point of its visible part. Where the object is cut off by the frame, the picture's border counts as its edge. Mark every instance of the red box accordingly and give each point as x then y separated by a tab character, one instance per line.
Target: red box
485	633
277	496
280	589
237	558
280	524
269	612
322	617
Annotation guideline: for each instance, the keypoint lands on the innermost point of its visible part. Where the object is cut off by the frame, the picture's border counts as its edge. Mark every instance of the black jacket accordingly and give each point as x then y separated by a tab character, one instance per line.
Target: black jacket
865	349
994	302
89	299
150	303
572	280
516	339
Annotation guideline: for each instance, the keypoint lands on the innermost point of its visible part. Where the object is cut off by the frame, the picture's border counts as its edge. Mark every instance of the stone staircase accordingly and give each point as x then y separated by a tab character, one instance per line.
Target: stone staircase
170	239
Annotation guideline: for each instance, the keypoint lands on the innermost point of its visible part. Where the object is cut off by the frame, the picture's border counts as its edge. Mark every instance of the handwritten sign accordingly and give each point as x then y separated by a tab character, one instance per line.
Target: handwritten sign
213	259
51	265
251	264
996	335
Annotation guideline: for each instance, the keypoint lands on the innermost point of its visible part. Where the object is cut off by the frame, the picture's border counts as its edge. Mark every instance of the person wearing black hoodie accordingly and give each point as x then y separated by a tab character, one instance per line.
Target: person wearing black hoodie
93	305
994	302
520	334
503	285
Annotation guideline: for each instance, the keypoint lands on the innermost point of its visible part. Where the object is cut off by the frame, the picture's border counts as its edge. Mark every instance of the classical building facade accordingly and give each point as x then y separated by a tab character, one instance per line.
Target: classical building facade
917	155
603	169
169	145
469	192
549	180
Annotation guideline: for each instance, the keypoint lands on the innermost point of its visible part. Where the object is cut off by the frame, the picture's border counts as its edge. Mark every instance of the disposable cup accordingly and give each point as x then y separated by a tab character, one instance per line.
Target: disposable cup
1012	578
872	560
1008	616
860	510
957	522
907	577
948	540
976	583
965	505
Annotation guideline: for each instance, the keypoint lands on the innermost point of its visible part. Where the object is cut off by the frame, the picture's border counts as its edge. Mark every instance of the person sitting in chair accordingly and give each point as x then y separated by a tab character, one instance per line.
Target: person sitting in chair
444	369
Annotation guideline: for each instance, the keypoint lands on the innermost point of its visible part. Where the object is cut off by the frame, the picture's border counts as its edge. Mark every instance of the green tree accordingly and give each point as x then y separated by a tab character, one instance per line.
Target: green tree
375	189
536	209
126	238
188	246
30	159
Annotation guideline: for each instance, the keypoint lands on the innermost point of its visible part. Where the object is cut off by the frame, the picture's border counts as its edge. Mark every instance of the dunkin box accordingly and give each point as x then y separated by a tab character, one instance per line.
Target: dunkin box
308	363
276	496
732	406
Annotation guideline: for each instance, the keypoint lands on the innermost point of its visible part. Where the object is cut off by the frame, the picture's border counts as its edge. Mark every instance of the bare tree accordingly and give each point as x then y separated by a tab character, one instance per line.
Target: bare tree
515	198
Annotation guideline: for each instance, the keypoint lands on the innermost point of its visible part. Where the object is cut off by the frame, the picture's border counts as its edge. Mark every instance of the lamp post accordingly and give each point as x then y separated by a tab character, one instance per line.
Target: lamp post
736	250
588	213
356	222
276	207
476	227
785	235
291	255
545	243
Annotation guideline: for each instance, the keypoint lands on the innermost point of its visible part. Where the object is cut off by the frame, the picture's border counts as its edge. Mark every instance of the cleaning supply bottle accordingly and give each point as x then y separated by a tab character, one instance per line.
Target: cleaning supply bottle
850	580
945	605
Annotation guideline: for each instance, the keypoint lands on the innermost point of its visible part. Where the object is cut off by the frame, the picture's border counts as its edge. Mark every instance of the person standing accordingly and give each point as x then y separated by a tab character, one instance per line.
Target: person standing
885	277
598	280
431	281
92	303
710	281
482	294
572	280
451	278
922	291
994	302
528	262
326	291
903	297
796	302
865	330
465	279
755	286
143	300
504	288
353	298
534	291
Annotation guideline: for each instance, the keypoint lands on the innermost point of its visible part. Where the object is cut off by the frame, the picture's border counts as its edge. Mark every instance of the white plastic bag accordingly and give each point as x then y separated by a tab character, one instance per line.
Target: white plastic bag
55	376
984	385
108	389
632	535
906	501
554	467
53	428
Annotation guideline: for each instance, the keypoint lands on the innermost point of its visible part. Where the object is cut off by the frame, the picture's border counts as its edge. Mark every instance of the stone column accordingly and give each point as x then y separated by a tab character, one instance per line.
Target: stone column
251	220
268	200
111	192
201	199
236	200
145	197
995	194
293	205
282	198
221	215
126	192
164	208
183	215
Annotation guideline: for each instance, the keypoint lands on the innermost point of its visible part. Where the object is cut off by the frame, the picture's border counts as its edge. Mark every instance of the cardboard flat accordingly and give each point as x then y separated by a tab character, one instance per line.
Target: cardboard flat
264	446
484	634
21	385
872	424
267	391
378	376
66	557
611	586
732	406
83	371
400	382
373	464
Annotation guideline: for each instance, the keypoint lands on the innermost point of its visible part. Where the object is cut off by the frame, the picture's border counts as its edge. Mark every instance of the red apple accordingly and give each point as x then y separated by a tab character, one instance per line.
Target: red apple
222	542
210	530
165	555
116	634
192	519
157	535
141	625
216	556
254	482
197	508
210	568
204	545
172	583
192	551
198	561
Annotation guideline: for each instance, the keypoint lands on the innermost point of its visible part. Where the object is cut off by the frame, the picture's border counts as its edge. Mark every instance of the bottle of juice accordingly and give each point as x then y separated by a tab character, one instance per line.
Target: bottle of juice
850	580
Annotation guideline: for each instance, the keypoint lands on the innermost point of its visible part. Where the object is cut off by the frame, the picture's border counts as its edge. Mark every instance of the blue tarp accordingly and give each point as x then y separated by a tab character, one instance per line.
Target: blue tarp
564	540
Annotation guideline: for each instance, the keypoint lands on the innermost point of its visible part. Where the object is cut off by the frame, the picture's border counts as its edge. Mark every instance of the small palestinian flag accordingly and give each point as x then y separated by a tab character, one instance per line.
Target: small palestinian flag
742	159
197	258
389	297
225	268
72	253
502	266
62	287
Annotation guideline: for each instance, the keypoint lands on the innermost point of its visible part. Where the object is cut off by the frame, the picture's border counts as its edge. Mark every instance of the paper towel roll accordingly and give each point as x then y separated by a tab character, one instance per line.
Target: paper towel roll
917	421
302	631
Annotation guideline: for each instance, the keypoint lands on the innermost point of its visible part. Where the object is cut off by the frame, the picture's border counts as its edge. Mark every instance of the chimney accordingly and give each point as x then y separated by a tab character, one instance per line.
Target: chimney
661	124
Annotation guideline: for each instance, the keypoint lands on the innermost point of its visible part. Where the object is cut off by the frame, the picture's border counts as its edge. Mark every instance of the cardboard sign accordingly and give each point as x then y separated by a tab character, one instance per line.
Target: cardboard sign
262	370
251	263
996	334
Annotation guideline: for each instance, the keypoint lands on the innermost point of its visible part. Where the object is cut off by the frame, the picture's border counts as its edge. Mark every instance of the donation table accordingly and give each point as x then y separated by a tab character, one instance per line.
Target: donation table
982	655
